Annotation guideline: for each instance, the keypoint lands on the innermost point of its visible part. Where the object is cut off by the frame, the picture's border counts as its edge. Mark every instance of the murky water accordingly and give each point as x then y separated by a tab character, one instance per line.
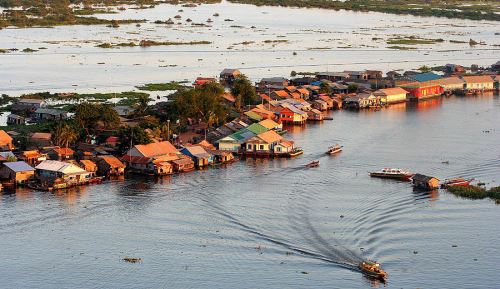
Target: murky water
274	224
340	40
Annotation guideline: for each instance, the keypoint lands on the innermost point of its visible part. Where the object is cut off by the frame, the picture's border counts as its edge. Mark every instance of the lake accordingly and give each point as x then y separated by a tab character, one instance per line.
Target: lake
324	40
274	223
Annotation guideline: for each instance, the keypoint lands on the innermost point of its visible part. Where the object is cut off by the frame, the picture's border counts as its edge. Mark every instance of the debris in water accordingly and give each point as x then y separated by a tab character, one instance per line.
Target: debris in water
454	246
304	272
446	162
415	252
341	216
132	260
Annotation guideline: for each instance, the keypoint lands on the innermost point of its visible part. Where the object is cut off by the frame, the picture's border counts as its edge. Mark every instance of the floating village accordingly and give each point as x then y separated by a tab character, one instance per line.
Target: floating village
56	159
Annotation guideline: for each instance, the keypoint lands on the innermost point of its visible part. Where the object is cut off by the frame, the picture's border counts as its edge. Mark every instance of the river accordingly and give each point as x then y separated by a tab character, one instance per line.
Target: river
275	224
323	40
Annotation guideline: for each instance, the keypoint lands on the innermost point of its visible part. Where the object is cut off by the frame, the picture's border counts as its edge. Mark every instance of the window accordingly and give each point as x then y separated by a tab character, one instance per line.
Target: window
261	147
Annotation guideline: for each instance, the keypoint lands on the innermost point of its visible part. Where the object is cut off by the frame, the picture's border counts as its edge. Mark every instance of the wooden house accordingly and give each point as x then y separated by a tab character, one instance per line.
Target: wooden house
423	90
17	172
14	119
235	141
183	164
479	83
203	80
284	148
262	144
50	114
40	139
28	105
425	182
227	76
332	76
279	94
320	104
315	115
292	115
327	99
5	141
154	158
451	84
60	154
110	166
50	171
199	155
32	157
272	83
391	95
89	166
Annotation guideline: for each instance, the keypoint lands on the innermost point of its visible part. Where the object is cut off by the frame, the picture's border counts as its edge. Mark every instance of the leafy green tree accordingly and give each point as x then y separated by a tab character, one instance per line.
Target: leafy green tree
90	115
244	91
64	135
132	136
352	87
424	68
142	105
324	87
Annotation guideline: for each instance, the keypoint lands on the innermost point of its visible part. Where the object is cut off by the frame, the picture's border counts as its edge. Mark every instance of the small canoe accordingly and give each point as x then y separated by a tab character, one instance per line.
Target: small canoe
456	182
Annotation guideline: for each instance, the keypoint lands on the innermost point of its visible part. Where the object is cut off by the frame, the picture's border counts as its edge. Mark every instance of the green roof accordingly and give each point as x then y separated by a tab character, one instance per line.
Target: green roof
253	115
256	128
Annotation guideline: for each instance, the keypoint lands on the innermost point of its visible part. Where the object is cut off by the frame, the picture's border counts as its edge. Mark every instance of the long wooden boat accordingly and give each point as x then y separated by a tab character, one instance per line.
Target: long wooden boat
373	269
392	173
313	164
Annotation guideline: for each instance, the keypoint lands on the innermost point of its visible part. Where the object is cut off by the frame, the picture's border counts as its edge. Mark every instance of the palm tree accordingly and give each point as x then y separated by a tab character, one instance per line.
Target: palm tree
64	135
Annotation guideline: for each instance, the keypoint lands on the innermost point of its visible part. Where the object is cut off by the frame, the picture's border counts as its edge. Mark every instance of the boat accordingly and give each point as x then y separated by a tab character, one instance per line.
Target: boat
373	269
335	149
456	182
393	173
313	164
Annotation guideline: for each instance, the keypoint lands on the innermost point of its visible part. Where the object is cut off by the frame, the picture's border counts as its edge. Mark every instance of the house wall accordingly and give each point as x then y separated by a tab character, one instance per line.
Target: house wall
395	98
481	85
229	146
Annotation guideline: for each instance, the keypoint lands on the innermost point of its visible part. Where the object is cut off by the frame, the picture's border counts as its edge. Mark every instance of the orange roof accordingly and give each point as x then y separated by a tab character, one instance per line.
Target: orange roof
303	91
4	137
286	143
265	96
156	149
450	80
295	95
207	145
89	165
113	161
325	98
229	97
31	154
136	160
64	151
270	136
291	88
478	79
391	91
281	93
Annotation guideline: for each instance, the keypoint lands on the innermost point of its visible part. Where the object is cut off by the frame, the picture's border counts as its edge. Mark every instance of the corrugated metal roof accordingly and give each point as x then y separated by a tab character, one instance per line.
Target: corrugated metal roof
422	77
19	166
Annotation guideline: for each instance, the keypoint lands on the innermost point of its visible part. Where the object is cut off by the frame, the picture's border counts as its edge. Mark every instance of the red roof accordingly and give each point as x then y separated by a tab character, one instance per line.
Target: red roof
112	139
64	151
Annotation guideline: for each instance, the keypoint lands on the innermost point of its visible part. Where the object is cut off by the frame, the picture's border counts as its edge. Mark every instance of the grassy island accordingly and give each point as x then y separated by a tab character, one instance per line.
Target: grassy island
461	9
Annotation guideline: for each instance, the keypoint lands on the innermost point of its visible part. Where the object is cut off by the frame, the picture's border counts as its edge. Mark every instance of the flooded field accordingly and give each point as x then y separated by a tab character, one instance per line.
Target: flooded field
260	41
275	224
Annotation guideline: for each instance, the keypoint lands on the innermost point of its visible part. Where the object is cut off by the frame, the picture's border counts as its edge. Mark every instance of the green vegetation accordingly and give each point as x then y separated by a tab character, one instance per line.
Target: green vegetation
147	43
161	86
476	192
482	10
64	135
132	95
412	40
397	47
243	91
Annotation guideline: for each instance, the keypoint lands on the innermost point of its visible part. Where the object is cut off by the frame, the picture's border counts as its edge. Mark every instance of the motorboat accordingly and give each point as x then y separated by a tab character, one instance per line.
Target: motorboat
393	173
373	269
456	182
335	149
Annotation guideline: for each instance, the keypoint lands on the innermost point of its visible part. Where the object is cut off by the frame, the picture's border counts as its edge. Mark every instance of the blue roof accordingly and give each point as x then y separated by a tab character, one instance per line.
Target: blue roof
7	154
316	83
428	76
19	166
